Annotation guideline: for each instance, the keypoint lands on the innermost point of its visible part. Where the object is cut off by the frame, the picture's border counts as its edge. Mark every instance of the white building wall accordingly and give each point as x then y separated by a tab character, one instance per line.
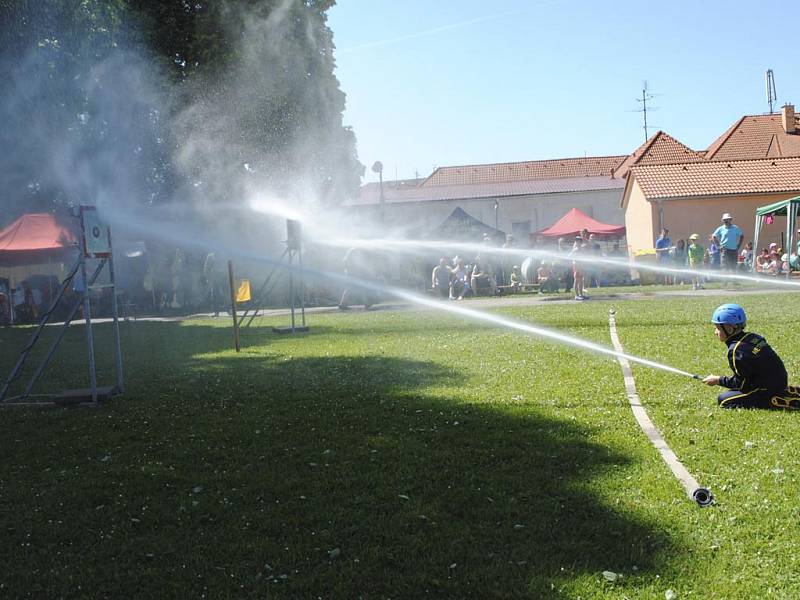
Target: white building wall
541	210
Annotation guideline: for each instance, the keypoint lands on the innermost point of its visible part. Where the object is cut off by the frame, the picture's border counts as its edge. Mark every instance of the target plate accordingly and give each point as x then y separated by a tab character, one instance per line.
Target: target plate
96	234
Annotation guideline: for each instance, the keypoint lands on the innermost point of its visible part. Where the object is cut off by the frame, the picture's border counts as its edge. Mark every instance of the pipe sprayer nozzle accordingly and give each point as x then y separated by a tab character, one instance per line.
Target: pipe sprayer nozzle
697	377
611	311
703	497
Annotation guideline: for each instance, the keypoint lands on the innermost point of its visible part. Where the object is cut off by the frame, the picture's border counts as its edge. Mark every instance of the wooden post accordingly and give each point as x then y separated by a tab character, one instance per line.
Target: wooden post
233	305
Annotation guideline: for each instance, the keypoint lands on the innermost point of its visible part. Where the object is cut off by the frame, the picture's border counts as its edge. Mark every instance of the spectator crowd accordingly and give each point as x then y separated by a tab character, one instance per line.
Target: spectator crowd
725	251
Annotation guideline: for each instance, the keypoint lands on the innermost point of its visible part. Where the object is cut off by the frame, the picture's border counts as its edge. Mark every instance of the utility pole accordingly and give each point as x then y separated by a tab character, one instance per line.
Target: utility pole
643	100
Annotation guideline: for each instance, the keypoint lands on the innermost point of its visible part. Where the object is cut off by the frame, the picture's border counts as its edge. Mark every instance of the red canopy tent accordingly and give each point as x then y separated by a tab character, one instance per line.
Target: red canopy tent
576	220
35	238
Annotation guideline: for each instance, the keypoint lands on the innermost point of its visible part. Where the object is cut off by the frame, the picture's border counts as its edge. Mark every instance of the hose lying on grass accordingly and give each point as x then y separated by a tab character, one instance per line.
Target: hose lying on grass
701	495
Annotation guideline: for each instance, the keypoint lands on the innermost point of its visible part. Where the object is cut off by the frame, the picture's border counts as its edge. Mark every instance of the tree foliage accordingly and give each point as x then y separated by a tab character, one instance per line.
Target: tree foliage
145	102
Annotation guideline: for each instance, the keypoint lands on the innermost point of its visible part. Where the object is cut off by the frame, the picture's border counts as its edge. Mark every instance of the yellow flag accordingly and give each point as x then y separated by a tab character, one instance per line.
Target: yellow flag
243	293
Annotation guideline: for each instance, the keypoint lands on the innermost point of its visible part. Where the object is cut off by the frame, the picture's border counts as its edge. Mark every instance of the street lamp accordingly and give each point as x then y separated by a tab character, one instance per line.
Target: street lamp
496	206
377	167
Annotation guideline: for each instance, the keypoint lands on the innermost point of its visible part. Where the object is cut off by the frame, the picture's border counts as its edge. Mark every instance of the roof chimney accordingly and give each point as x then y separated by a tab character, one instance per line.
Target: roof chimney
787	117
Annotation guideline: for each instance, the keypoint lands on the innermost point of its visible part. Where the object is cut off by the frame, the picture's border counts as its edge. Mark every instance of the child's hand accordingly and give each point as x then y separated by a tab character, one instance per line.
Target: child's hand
711	380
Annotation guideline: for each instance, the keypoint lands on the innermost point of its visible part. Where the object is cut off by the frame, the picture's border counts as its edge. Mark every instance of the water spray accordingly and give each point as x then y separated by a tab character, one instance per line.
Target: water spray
200	241
584	259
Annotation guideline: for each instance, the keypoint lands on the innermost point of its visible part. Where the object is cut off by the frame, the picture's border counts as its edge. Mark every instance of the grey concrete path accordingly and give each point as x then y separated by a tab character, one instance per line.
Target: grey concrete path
596	294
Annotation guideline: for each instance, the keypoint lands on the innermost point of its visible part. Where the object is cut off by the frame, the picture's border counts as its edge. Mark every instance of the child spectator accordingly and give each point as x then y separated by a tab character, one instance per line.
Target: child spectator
712	253
695	254
678	255
746	257
774	265
548	282
516	276
459	280
762	261
759	378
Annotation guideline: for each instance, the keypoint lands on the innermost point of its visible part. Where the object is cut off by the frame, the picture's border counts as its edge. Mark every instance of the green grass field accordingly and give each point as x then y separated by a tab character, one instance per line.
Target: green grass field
402	455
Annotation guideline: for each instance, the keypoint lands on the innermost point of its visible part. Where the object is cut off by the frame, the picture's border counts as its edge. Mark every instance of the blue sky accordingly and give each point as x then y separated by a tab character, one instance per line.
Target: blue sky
435	83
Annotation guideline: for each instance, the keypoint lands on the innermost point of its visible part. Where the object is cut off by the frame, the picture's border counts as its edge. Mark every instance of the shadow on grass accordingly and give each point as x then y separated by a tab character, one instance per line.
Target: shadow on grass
336	476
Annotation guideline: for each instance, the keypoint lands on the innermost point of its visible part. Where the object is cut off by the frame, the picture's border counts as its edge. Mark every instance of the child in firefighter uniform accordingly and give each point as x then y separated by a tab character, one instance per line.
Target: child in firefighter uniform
759	378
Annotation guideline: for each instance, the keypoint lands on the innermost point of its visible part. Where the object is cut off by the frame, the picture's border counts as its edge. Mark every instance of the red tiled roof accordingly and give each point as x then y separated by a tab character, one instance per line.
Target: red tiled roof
660	149
716	178
370	193
756	136
591	166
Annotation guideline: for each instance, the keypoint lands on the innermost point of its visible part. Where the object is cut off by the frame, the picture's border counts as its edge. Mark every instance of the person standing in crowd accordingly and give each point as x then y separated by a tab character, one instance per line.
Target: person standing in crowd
579	248
507	261
357	269
483	277
712	253
597	252
563	267
459	280
695	253
678	255
440	279
5	307
729	238
663	245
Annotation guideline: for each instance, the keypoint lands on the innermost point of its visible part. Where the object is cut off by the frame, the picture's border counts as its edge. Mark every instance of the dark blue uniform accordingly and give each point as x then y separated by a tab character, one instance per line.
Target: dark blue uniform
759	378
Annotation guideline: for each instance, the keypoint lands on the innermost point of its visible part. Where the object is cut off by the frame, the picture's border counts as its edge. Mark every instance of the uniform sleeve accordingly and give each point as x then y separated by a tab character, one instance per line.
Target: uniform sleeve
742	364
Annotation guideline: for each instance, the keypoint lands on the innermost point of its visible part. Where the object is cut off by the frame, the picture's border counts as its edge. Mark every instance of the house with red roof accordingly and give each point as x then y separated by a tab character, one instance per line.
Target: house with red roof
754	163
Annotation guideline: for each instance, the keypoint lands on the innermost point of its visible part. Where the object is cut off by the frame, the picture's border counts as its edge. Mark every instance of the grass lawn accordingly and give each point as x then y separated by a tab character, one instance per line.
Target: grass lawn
401	455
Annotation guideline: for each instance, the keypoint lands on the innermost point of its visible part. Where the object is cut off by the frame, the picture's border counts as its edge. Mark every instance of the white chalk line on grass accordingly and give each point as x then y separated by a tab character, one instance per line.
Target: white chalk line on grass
693	489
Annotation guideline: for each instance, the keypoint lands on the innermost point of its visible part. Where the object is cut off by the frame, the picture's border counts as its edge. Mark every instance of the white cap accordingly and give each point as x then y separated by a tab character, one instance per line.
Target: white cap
726	216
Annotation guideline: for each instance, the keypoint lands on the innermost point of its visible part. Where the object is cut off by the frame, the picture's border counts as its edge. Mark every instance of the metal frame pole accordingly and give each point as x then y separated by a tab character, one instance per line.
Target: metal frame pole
45	318
302	287
87	315
291	287
262	293
115	314
64	327
233	306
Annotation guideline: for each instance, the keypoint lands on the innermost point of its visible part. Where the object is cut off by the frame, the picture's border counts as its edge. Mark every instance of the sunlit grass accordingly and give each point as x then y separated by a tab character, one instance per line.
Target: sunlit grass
401	454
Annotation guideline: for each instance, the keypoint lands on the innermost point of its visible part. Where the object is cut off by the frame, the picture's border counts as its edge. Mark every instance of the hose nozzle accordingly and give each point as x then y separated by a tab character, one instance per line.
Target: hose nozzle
703	497
697	377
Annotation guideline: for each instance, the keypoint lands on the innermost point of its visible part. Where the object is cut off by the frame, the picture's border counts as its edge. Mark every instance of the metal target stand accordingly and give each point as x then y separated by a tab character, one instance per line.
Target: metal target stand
95	244
297	291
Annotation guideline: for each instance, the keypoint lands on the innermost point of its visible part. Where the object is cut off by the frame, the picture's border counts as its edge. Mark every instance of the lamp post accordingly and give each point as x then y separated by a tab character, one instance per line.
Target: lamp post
496	206
377	167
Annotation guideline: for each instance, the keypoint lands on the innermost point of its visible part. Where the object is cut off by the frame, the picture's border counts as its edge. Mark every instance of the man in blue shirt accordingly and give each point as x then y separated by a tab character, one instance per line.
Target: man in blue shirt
663	245
729	238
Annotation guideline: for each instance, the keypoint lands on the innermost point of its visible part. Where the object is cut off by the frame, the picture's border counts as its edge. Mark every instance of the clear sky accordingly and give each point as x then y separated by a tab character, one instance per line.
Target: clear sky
444	82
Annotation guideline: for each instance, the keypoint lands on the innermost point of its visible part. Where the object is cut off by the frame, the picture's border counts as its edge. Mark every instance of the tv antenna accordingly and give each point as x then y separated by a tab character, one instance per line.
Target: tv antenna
646	97
772	94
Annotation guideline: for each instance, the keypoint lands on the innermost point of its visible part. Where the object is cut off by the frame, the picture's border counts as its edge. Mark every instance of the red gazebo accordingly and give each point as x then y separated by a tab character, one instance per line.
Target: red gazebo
576	220
35	238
